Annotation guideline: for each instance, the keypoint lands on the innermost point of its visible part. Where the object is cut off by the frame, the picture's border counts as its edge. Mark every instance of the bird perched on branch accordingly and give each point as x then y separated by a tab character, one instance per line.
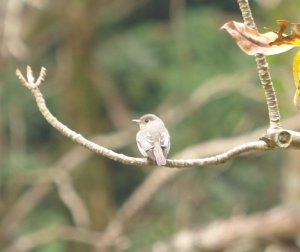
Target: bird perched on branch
153	139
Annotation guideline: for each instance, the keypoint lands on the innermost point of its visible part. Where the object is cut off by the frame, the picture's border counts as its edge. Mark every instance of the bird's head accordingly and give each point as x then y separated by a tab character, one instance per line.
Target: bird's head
147	119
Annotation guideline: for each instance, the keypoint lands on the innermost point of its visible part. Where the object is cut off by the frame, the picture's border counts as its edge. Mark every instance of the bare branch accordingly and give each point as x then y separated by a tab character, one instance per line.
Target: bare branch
100	150
42	76
263	70
221	158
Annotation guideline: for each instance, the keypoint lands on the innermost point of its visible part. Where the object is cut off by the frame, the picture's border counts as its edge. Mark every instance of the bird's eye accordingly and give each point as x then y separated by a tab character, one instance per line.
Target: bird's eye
146	120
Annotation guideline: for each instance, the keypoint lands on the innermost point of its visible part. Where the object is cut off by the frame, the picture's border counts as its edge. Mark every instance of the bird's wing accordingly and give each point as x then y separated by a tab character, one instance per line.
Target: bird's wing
165	141
144	142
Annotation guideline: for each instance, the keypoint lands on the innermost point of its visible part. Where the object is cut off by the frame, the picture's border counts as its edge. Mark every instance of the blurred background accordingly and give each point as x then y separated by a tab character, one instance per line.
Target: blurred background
109	62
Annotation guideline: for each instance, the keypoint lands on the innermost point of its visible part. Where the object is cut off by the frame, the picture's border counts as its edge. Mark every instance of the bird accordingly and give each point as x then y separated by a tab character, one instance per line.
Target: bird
153	139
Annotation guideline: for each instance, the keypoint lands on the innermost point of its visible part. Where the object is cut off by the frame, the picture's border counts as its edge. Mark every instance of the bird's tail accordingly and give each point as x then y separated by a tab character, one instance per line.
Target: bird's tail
159	155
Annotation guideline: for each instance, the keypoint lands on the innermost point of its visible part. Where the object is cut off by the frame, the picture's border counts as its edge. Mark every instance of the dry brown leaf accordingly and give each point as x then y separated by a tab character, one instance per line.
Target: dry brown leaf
269	43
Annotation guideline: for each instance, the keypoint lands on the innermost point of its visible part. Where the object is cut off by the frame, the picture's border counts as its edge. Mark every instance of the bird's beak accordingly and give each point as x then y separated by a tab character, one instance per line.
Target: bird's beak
136	120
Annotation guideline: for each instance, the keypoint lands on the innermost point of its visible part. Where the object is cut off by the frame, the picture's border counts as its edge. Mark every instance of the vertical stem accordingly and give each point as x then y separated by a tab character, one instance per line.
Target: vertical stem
263	70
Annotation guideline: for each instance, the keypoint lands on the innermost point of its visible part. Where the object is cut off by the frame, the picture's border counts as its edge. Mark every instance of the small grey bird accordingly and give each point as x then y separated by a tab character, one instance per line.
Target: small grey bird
153	139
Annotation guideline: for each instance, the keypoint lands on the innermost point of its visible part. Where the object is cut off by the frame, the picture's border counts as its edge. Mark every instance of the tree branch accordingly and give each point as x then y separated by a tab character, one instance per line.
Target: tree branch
33	86
263	70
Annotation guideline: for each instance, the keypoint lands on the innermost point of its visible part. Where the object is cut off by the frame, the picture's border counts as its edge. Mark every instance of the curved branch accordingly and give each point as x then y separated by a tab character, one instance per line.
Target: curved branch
263	70
32	86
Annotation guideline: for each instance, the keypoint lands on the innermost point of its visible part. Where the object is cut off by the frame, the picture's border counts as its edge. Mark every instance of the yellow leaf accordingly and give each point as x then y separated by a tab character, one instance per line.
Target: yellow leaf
296	74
